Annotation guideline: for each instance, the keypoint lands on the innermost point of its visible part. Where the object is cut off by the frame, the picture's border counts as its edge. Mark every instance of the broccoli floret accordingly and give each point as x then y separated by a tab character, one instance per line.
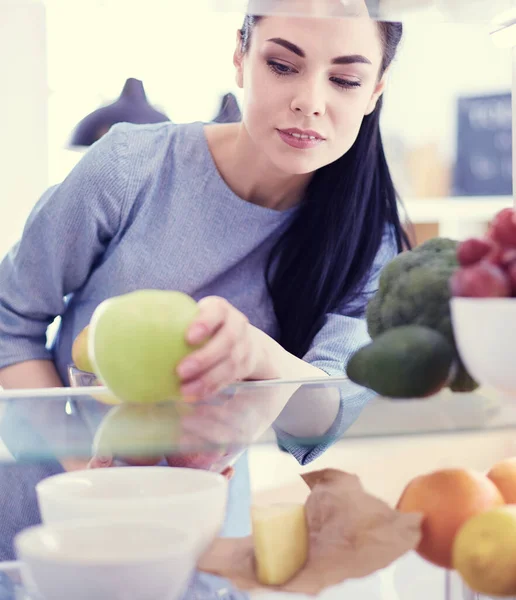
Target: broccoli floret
436	246
414	290
441	249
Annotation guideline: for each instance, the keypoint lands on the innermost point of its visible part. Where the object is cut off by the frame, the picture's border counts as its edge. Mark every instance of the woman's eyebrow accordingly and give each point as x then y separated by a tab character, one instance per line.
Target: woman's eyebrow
289	46
339	60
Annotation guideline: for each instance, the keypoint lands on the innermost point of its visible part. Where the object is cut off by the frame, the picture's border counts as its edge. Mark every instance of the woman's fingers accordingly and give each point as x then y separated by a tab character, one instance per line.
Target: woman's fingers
100	462
228	343
218	320
228	352
212	314
218	375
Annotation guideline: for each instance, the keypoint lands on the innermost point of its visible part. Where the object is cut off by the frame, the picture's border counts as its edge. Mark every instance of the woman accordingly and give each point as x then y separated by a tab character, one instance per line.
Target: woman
279	225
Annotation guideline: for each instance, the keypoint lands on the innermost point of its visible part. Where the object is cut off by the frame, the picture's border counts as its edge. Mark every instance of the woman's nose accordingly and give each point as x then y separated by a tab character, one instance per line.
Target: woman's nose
309	100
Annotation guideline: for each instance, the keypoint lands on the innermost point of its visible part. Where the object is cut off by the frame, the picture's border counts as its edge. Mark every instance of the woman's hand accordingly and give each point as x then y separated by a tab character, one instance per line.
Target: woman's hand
231	351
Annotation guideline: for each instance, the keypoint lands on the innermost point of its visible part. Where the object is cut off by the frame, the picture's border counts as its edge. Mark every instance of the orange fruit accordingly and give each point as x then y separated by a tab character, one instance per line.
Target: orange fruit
503	475
447	498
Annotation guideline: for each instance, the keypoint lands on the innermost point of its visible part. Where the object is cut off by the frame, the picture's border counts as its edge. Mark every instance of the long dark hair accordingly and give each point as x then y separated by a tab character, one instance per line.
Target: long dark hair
323	259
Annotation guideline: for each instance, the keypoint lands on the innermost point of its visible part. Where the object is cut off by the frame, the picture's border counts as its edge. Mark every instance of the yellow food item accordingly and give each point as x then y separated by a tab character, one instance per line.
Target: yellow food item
281	542
484	552
105	397
80	355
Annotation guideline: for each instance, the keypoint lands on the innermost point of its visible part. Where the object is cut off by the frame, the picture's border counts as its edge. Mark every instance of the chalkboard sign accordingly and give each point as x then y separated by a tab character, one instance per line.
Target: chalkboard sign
484	148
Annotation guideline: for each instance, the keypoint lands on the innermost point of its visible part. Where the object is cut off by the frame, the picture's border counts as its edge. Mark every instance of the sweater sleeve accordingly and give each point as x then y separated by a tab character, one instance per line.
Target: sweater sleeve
65	236
344	332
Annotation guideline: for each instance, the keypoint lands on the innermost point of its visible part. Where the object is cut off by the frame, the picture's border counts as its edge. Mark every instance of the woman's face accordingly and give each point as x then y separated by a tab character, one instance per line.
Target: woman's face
308	83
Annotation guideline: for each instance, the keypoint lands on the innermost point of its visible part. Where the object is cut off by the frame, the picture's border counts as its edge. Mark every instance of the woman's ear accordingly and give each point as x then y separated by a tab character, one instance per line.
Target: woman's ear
378	91
238	59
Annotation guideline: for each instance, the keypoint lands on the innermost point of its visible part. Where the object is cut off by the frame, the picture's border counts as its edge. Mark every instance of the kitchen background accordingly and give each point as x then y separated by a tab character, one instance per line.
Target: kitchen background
61	60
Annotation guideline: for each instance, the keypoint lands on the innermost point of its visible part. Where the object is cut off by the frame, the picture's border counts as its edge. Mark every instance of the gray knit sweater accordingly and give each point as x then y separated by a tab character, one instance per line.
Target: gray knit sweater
147	208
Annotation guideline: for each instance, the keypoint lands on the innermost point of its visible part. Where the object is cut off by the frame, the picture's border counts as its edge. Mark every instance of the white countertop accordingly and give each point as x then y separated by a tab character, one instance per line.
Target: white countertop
409	578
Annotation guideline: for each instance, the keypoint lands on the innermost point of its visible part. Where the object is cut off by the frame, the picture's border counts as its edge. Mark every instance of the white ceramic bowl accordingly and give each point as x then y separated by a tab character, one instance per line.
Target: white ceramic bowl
106	560
192	499
485	333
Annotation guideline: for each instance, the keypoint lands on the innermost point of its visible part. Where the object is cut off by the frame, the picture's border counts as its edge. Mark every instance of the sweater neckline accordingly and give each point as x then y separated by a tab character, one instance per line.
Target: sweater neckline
216	177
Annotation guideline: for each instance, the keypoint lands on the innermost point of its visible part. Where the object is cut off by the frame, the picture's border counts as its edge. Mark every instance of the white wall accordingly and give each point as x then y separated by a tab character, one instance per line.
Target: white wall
23	114
436	64
182	54
184	57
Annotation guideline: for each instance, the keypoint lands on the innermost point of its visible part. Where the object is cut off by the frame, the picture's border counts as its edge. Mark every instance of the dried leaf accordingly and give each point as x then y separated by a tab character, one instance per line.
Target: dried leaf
352	534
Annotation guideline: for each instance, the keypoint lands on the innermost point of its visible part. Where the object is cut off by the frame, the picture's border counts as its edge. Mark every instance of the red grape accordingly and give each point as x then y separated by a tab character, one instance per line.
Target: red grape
482	280
508	257
472	250
503	228
511	272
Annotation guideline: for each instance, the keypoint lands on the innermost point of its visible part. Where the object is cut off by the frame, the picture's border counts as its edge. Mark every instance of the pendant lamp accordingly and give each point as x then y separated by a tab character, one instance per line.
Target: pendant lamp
132	106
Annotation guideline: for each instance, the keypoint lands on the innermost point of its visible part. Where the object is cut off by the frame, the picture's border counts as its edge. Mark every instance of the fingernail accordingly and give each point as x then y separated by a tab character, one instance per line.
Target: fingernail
187	369
197	333
99	462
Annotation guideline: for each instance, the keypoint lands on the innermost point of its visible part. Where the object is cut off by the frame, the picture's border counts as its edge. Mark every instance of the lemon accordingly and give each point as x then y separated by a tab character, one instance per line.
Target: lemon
484	552
80	355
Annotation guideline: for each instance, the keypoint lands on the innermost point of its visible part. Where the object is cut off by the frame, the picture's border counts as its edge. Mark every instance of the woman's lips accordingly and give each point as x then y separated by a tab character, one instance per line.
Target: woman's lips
301	140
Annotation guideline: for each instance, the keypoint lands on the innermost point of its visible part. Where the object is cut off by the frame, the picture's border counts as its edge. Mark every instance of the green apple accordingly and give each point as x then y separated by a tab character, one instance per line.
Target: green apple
136	342
104	397
140	433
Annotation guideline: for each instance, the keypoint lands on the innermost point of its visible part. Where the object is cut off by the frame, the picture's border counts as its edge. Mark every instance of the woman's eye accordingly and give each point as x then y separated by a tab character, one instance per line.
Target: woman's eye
345	83
279	68
282	69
